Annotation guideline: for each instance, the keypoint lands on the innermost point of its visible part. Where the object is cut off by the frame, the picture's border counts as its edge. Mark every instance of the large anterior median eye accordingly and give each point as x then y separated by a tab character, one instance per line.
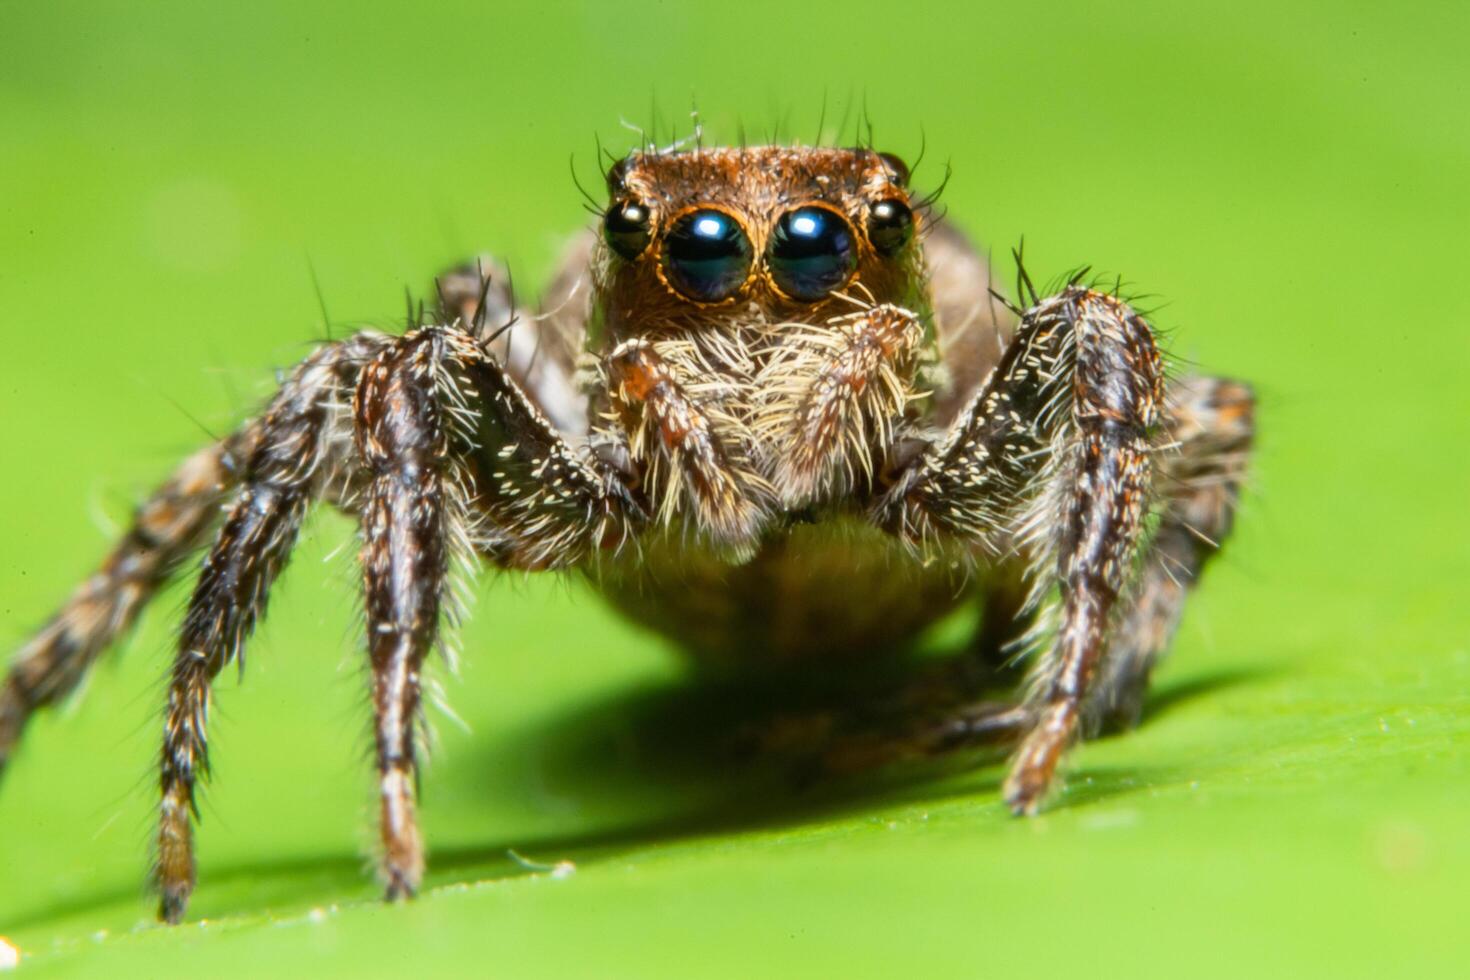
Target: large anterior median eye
706	256
812	253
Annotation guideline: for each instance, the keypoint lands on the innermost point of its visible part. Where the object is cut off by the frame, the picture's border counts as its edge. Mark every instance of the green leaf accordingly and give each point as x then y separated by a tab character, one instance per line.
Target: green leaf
1297	801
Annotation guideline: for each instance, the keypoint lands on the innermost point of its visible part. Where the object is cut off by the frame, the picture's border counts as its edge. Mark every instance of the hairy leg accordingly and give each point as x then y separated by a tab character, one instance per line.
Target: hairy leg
1065	426
414	507
422	408
296	455
538	352
166	529
428	415
972	327
1210	424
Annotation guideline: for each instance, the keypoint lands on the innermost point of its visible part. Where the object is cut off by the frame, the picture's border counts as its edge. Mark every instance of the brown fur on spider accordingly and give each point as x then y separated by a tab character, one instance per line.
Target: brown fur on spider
773	406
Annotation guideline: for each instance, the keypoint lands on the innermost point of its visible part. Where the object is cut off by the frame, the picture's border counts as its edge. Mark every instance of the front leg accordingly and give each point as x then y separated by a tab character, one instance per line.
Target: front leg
410	502
1054	452
432	414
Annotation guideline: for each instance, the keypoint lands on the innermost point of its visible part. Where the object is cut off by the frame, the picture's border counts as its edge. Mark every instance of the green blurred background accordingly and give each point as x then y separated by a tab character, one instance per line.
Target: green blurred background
1291	178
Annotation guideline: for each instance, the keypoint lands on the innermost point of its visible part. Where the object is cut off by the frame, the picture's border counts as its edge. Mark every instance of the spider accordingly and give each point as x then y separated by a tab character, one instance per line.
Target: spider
772	408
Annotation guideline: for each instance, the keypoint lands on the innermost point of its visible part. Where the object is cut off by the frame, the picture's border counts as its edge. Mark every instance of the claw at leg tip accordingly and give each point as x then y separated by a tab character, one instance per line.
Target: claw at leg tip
1023	796
399	889
171	907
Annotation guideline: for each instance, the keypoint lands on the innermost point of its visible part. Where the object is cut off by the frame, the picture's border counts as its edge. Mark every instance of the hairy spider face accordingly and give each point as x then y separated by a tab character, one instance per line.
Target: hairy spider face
712	235
744	300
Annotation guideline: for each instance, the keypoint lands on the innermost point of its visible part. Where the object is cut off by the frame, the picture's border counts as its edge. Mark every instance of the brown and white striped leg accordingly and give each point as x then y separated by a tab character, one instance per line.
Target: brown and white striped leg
294	457
403	441
166	529
426	411
1065	422
1210	424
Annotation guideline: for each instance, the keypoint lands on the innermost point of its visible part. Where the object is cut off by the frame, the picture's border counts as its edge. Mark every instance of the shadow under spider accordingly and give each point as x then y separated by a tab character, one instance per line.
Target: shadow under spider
673	763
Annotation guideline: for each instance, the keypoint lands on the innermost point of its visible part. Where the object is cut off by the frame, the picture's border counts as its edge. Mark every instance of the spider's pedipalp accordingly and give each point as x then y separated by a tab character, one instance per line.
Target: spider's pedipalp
704	452
835	392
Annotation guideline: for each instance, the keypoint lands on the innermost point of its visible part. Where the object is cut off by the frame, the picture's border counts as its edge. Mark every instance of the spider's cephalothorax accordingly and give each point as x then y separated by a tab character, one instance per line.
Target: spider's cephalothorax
774	407
787	286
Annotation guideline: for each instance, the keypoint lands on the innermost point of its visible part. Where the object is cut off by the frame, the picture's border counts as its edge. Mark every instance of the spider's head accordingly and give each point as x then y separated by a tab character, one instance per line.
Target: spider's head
701	234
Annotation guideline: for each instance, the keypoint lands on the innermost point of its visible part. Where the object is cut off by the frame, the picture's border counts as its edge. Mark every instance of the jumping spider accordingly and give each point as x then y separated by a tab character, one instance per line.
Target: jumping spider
772	408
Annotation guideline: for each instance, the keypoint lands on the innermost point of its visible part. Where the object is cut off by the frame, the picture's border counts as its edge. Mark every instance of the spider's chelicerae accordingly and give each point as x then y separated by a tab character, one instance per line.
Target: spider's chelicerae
773	407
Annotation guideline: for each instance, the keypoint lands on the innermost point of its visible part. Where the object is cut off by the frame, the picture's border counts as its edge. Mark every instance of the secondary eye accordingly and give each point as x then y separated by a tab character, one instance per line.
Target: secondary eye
706	256
626	228
890	226
811	253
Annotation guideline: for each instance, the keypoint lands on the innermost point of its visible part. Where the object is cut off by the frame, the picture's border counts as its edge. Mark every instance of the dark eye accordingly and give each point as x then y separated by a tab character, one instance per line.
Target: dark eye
706	256
626	228
898	171
890	226
811	253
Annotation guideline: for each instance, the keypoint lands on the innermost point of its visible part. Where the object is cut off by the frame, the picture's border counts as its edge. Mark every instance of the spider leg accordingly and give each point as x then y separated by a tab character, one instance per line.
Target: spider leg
166	529
1208	426
970	726
1210	423
427	411
1065	426
297	453
411	499
538	352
